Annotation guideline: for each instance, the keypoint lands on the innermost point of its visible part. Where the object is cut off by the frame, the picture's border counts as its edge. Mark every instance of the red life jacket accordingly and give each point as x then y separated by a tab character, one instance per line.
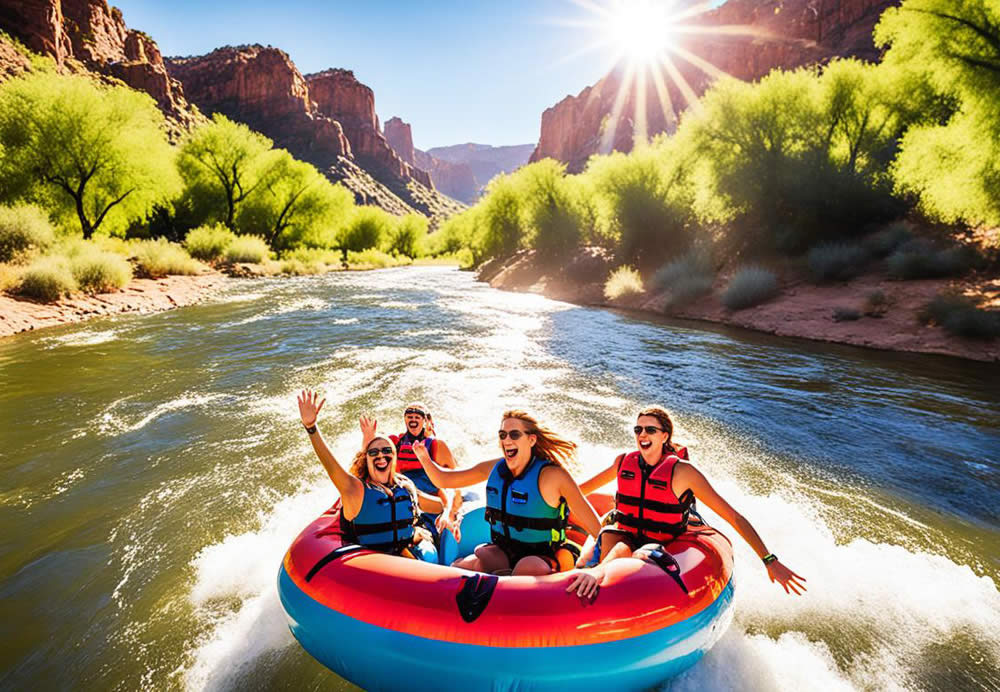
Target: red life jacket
645	504
406	460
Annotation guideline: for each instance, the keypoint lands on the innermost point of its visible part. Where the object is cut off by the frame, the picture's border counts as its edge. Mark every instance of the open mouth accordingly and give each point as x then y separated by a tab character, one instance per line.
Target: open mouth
510	453
645	444
413	425
381	464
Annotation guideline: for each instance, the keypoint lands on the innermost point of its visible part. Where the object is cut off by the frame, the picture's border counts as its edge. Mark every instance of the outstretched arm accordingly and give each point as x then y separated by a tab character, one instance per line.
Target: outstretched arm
451	478
453	498
350	488
581	508
704	491
600	479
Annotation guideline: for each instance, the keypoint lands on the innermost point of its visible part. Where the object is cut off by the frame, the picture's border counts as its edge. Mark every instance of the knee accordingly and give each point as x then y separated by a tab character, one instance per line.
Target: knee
470	562
531	566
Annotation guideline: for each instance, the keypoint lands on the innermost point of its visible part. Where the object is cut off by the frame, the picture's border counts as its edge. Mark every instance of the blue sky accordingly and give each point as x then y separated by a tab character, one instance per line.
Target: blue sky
457	71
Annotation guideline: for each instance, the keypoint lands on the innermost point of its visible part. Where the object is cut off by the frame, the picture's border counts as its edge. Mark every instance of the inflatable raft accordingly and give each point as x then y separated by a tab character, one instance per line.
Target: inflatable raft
390	623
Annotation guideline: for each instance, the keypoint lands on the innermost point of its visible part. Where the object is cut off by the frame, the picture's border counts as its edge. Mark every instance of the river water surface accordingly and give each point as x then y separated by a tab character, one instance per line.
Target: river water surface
154	472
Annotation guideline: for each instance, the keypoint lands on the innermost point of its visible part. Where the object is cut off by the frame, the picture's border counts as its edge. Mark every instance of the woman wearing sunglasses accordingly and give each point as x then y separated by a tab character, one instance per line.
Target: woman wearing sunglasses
657	489
379	507
529	494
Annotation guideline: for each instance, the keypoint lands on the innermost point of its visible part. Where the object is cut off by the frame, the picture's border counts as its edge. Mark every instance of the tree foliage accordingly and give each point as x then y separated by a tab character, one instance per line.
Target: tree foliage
96	156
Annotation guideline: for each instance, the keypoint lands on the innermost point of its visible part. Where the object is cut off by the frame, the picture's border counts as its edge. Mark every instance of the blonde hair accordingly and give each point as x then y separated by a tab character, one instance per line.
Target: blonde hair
668	425
548	444
359	465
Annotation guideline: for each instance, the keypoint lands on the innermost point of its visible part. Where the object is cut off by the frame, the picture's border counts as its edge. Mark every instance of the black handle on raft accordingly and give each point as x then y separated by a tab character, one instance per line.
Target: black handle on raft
333	555
475	595
665	561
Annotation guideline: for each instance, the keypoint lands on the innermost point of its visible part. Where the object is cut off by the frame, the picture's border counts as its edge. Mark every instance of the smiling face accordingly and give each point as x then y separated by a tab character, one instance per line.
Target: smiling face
381	459
516	443
650	441
414	417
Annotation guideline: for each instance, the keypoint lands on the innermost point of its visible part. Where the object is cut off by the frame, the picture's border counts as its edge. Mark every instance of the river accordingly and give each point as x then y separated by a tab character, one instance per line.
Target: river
154	472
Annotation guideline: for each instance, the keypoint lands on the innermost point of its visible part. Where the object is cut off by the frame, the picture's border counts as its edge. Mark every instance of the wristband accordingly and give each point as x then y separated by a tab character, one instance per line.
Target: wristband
311	429
769	558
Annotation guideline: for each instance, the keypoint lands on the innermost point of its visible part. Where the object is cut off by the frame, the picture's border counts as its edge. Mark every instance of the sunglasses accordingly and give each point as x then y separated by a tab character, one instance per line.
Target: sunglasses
514	434
384	451
415	411
650	429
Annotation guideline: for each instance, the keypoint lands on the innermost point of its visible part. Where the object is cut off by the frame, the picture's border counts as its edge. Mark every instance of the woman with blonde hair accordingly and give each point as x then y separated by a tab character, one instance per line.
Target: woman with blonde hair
529	494
379	507
657	488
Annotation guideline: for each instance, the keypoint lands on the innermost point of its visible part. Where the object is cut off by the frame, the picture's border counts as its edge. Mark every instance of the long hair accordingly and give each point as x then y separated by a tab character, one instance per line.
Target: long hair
359	465
549	444
668	426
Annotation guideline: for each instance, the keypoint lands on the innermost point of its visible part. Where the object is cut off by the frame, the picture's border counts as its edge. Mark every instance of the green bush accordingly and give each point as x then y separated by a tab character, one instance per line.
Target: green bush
157	258
23	228
374	259
750	286
686	278
99	271
886	241
624	281
876	304
836	262
962	317
294	267
208	243
919	261
407	237
845	315
310	255
366	229
47	279
250	249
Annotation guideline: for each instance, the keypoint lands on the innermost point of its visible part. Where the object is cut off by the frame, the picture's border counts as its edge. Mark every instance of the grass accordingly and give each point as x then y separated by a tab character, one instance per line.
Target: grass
100	271
884	242
375	259
961	316
750	286
919	261
208	243
836	262
10	277
248	249
158	258
47	279
624	281
686	278
24	229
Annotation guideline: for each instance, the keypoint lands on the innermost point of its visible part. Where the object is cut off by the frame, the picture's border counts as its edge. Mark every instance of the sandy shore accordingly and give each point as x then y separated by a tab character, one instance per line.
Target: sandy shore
140	296
801	310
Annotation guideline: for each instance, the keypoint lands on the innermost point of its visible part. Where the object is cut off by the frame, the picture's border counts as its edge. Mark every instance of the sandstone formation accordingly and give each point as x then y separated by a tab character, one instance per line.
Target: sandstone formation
94	35
786	34
400	138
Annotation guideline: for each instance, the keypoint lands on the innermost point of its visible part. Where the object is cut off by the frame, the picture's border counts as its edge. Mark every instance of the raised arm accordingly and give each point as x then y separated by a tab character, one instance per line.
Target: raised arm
350	488
578	504
600	479
451	478
452	498
703	490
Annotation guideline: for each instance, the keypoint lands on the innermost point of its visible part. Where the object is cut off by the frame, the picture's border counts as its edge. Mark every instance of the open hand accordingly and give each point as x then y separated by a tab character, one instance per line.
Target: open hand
452	524
309	407
586	584
792	582
420	451
368	425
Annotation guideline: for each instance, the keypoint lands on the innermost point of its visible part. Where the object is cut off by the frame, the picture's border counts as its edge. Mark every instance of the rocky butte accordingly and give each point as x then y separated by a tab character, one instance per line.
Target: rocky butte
89	35
786	34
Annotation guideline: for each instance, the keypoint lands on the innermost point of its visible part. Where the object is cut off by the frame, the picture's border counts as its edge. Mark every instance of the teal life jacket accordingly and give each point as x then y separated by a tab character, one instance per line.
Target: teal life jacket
516	510
385	522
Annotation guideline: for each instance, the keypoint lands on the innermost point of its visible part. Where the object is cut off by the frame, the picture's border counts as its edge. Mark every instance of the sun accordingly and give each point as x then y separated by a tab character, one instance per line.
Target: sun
640	29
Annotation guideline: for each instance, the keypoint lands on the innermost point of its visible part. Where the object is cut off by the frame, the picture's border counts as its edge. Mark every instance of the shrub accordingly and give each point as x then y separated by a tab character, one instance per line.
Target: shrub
876	304
750	286
624	281
918	261
208	243
23	228
251	249
47	279
836	262
311	255
407	237
961	316
294	267
845	315
156	258
374	259
884	242
10	277
687	277
366	229
99	271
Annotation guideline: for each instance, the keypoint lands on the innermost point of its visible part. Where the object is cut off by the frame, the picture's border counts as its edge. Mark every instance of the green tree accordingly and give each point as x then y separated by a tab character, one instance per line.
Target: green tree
366	229
408	236
952	163
223	163
292	204
500	226
96	155
553	213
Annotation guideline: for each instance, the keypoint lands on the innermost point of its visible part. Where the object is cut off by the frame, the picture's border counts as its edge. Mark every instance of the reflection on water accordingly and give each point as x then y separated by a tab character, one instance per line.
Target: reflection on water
154	473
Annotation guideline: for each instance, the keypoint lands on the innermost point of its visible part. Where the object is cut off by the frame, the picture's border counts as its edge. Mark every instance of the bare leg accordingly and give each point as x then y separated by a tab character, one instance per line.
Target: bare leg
532	566
613	546
487	558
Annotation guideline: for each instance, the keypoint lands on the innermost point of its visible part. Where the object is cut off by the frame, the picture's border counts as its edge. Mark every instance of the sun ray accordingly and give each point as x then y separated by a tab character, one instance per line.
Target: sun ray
700	62
727	30
692	11
640	128
608	137
589	48
686	91
663	96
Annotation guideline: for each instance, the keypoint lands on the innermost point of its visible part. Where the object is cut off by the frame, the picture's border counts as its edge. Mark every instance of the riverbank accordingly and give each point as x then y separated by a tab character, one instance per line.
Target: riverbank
140	296
802	309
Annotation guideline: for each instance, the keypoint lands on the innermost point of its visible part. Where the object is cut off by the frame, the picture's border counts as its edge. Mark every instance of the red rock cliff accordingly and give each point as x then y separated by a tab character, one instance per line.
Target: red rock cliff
788	34
400	138
90	32
341	96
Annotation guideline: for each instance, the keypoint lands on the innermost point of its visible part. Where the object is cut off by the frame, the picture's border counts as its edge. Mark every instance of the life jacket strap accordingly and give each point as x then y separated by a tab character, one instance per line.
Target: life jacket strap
497	516
650	526
368	529
665	507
